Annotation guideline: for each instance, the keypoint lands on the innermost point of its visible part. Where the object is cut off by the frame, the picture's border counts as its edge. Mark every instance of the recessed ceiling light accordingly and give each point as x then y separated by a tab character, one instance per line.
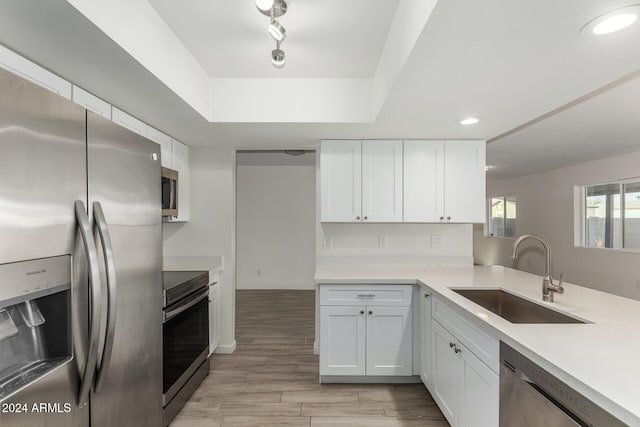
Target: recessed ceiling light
469	121
613	21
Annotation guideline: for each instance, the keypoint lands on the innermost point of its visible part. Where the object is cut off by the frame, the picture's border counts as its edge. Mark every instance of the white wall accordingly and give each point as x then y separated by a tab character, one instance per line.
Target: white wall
275	227
210	232
545	206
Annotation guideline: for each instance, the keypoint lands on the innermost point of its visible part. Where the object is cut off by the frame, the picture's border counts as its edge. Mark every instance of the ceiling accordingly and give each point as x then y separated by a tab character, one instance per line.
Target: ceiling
547	95
326	39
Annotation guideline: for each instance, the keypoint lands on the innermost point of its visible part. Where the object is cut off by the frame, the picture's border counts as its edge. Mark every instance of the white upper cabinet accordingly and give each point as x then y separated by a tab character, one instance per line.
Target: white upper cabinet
464	181
444	181
165	145
24	68
361	181
340	181
423	181
180	162
125	120
382	181
91	102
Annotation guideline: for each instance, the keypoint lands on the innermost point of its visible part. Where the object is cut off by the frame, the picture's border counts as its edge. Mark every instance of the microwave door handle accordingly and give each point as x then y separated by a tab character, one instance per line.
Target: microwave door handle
94	289
100	224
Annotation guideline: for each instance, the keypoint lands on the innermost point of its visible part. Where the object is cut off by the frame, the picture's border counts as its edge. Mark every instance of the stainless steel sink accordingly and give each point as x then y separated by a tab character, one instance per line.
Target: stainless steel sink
513	308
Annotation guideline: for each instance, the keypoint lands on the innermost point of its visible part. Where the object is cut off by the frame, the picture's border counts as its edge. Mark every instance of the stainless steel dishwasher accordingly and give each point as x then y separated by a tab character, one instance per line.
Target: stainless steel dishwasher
530	396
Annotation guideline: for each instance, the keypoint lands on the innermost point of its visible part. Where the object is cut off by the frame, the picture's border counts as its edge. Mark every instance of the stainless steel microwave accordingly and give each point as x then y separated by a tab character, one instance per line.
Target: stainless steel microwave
169	192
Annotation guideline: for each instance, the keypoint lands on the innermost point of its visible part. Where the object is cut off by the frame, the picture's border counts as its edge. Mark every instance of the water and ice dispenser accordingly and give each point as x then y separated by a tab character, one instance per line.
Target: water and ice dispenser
35	320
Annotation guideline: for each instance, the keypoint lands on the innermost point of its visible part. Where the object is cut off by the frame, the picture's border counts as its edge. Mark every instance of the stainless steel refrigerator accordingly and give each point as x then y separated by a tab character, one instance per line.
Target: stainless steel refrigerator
80	266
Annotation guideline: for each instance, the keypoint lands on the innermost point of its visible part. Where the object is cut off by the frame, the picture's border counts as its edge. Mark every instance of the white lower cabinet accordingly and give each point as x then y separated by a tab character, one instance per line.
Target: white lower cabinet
464	388
342	340
213	315
425	336
372	338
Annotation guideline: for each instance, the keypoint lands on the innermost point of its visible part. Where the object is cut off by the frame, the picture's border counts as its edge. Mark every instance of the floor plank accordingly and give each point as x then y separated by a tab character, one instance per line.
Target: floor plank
272	378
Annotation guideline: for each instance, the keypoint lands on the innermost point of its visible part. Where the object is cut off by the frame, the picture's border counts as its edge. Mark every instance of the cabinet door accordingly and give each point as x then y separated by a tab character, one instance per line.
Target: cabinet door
445	373
342	340
464	181
341	181
389	336
127	121
382	181
180	162
165	145
479	392
91	102
213	317
423	181
24	68
426	335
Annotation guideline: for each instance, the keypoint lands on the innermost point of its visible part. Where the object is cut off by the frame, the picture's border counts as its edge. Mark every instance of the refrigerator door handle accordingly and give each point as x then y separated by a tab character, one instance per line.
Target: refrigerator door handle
100	224
94	286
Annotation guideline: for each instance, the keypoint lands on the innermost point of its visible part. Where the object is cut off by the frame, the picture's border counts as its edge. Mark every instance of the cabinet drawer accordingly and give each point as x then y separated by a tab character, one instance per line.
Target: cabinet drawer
485	347
369	295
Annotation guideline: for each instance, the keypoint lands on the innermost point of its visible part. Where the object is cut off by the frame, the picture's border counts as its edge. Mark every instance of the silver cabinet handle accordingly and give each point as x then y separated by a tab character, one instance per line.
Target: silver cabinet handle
456	350
95	291
366	295
451	345
185	305
366	218
361	311
448	218
100	224
427	295
358	218
370	312
441	218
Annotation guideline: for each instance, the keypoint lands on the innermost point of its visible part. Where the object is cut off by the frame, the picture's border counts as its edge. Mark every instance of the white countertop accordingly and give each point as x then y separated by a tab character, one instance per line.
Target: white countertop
600	359
188	263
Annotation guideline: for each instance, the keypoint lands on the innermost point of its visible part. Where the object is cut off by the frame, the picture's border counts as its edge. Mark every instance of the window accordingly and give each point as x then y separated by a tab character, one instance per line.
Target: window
612	215
502	216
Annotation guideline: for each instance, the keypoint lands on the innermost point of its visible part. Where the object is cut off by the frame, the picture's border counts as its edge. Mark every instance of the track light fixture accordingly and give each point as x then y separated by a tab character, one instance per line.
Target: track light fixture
277	31
275	9
277	57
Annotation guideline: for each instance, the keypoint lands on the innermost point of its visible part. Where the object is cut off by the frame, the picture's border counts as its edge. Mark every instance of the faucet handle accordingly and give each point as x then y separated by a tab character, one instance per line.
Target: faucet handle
559	289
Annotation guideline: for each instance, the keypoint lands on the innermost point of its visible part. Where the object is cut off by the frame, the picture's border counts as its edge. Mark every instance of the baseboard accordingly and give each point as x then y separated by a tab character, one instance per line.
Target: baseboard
316	348
365	379
226	348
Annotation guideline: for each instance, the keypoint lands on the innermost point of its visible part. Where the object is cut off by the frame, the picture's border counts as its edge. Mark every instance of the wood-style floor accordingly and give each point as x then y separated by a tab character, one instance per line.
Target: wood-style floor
272	378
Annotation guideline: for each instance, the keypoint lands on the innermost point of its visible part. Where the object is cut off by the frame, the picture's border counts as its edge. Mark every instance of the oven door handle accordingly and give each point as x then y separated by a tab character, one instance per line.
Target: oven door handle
91	252
100	224
186	304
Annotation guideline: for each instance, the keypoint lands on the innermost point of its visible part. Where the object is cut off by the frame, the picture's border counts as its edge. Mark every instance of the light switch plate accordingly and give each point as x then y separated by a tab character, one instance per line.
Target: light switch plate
382	242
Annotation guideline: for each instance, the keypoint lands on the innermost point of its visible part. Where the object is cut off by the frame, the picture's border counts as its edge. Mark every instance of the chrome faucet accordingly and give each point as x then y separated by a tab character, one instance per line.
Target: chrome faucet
548	287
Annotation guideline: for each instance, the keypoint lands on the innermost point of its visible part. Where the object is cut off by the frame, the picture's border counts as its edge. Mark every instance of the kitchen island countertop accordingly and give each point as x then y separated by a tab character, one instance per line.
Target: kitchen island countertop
598	359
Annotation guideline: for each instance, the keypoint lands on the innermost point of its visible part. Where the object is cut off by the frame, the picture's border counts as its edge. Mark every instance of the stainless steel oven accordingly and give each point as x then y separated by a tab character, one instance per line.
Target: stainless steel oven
531	396
185	337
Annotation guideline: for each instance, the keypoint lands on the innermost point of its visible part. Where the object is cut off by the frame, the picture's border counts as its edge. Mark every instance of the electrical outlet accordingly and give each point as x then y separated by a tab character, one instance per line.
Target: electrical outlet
437	241
327	243
382	242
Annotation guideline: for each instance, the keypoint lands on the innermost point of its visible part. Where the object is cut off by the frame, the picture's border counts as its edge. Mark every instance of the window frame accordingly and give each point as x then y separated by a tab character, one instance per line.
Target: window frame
487	226
580	210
